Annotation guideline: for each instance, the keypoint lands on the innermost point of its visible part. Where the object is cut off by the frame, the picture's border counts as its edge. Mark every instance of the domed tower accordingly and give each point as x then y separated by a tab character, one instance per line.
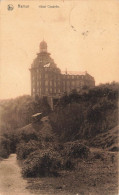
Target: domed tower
45	76
43	46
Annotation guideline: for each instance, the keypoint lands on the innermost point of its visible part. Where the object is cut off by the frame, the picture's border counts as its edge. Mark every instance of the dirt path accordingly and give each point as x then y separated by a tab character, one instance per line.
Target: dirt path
11	181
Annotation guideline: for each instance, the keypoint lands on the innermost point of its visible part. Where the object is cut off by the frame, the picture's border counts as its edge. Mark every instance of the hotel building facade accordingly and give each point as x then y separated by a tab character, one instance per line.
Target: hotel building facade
48	80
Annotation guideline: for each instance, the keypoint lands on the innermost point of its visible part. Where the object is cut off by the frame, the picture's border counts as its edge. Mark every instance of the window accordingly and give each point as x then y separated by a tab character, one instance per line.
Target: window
46	89
33	83
50	83
50	89
72	83
37	83
77	82
46	76
54	84
68	89
46	83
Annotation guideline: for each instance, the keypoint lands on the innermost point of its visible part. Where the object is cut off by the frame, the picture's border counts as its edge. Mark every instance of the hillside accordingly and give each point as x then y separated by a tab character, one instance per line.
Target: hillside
84	115
74	146
16	113
108	140
96	173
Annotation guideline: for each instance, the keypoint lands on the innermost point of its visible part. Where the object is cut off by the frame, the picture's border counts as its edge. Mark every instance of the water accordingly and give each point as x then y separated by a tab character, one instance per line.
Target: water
11	180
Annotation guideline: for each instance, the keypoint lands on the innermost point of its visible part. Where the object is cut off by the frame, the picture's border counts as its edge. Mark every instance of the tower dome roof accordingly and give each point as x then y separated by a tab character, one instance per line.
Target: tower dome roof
43	45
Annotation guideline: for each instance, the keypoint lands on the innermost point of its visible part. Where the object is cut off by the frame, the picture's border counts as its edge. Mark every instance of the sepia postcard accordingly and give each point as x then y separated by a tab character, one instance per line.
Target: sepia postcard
59	84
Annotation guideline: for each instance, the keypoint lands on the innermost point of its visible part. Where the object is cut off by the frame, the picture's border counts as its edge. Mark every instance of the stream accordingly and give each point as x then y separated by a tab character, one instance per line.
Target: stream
11	180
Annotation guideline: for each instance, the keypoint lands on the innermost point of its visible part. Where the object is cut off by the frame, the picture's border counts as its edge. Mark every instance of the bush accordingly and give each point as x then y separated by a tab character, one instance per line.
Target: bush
76	150
13	139
68	164
98	155
4	147
24	149
27	133
42	163
114	149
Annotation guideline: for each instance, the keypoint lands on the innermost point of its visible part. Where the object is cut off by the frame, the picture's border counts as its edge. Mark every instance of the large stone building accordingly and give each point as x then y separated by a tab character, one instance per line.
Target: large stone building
48	80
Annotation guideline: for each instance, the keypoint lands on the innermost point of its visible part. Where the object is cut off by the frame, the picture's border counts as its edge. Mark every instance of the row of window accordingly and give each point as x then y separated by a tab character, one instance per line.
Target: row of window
46	76
54	83
73	76
54	90
72	83
47	83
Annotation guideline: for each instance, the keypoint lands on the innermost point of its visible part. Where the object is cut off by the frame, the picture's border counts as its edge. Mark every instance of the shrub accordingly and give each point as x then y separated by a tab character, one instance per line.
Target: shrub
13	139
27	133
76	150
68	164
24	149
114	149
98	155
4	147
42	163
49	138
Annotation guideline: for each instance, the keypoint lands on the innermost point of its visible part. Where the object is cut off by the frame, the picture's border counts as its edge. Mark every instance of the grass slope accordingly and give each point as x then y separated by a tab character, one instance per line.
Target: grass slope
108	140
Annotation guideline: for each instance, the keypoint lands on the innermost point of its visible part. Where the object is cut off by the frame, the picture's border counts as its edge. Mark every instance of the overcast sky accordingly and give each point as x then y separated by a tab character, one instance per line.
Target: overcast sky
81	36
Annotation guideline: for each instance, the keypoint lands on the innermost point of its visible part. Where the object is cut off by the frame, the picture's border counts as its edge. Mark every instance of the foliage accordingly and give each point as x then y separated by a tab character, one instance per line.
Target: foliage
76	116
24	149
42	163
107	140
13	140
16	113
76	150
26	135
85	114
4	147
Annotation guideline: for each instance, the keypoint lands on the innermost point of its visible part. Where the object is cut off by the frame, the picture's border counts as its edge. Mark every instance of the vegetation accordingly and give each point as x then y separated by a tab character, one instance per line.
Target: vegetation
76	150
42	163
24	149
16	113
107	140
83	115
4	147
48	147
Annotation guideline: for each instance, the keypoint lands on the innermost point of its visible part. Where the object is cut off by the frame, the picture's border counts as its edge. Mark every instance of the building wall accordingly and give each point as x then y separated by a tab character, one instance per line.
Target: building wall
47	79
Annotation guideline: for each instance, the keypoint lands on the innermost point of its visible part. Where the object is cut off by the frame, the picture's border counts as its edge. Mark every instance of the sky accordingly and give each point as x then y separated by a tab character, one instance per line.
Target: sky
82	35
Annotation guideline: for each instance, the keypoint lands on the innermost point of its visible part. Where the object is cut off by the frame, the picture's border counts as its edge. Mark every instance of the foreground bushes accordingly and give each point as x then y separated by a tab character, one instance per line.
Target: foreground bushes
24	149
49	162
76	150
42	163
